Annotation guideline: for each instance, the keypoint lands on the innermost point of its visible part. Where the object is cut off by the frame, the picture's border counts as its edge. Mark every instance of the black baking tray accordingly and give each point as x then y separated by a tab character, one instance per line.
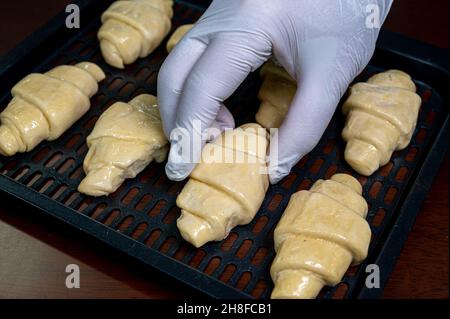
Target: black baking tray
140	218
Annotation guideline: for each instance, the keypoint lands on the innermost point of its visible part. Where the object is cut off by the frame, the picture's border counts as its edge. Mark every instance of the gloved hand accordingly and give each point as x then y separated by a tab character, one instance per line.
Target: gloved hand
323	44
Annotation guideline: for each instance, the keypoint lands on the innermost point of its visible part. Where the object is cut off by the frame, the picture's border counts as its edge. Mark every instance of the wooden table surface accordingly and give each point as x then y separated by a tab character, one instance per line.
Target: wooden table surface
35	248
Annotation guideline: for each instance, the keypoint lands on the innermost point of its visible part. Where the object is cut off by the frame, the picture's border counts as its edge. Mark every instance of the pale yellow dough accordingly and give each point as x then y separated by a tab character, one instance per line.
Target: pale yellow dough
321	233
276	95
45	105
178	35
227	188
125	139
133	29
381	118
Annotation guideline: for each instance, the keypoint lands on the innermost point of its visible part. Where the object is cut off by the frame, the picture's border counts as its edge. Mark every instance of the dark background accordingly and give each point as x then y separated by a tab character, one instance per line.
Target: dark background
35	249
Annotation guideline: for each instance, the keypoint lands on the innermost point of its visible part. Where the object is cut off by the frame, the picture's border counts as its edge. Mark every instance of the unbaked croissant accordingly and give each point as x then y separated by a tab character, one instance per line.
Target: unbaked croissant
322	232
178	35
227	188
381	118
125	139
45	105
133	29
276	94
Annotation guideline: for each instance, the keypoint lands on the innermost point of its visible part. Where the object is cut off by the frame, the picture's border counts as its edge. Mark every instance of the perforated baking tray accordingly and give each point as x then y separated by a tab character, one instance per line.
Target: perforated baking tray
140	218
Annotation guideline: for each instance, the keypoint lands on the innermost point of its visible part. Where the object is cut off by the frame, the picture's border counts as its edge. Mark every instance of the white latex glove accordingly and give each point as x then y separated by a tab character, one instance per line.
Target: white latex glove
323	44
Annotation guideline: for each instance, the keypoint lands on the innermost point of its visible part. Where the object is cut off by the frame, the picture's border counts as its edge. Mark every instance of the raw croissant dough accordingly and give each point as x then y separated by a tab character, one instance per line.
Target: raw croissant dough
276	94
178	35
227	192
133	28
381	118
45	105
125	139
322	232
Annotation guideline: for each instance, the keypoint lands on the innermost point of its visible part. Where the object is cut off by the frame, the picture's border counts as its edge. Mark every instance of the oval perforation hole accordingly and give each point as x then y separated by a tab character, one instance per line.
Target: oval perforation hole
315	168
426	95
91	122
77	173
390	195
412	153
58	191
8	167
99	99
375	189
386	169
128	198
259	289
142	74
147	175
362	180
47	184
275	202
402	174
244	280
100	208
421	136
172	215
53	159
126	89
379	217
227	273
352	271
33	179
175	188
289	180
82	149
151	80
39	156
84	204
260	224
125	224
213	264
86	51
431	117
154	235
341	291
143	202
71	198
331	171
66	165
197	259
156	210
229	241
73	141
111	218
139	230
162	181
167	244
304	185
116	84
303	161
244	248
182	251
259	256
20	173
329	147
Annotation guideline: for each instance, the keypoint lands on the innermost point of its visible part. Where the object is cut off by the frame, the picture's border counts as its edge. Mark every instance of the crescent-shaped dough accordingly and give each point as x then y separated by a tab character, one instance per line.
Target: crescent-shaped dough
125	139
381	118
227	188
133	29
45	105
322	232
276	95
178	35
